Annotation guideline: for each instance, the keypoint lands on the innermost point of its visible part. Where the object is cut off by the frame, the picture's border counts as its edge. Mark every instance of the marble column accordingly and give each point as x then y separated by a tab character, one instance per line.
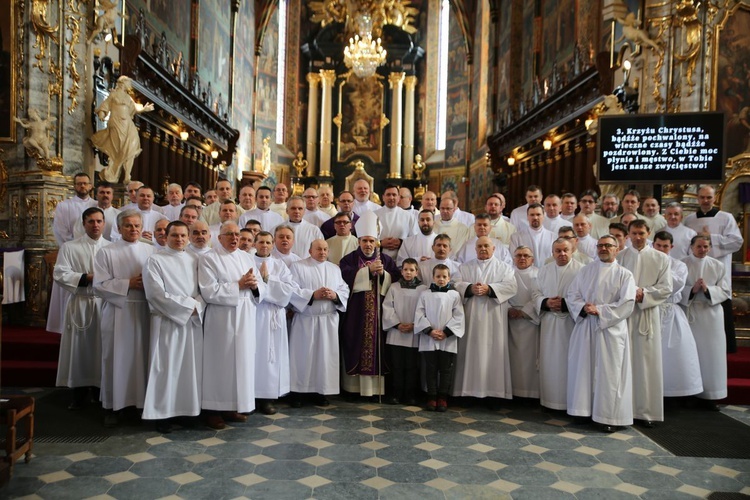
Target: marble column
396	83
328	77
312	122
410	82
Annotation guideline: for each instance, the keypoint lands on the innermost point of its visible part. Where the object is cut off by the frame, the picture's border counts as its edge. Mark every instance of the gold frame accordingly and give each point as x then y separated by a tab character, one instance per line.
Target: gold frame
8	8
375	154
745	237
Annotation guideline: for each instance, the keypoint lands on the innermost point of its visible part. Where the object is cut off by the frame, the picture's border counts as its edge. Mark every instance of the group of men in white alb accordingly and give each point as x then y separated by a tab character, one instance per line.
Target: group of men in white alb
186	308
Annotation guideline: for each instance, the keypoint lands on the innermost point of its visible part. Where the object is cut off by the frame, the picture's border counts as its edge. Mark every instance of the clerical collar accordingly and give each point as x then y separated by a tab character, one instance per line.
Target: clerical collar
711	213
435	288
413	283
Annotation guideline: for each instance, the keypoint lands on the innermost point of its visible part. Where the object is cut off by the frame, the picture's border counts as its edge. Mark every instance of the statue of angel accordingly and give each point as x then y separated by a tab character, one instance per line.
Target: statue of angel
632	32
37	136
106	21
120	140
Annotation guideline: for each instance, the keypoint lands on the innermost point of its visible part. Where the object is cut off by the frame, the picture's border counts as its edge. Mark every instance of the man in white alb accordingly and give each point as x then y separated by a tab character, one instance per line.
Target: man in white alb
304	232
396	224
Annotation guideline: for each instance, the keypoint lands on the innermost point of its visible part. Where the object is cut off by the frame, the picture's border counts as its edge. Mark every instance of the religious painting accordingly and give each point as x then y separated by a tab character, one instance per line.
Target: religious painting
7	72
213	47
455	151
446	179
503	66
548	36
163	18
360	119
731	90
566	31
481	185
458	108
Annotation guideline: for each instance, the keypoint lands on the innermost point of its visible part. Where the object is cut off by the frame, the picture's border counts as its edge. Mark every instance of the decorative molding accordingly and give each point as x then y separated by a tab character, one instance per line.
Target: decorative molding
73	23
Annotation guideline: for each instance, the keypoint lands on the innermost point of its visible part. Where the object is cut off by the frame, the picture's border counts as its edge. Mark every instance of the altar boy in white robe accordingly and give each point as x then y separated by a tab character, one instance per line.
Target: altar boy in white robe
483	365
600	299
314	334
653	278
556	325
170	280
230	284
80	361
705	289
125	328
682	371
272	344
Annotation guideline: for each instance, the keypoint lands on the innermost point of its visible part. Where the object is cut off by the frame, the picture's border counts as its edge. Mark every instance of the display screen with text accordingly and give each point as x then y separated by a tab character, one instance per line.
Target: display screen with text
668	148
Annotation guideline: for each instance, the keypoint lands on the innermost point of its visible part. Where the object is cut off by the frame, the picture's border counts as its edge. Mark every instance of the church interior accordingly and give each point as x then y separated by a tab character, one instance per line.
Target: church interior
471	96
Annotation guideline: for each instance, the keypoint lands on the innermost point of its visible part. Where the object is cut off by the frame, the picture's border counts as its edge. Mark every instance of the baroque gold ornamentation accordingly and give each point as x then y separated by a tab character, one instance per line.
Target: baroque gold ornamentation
328	76
20	72
300	164
55	85
313	79
384	121
74	25
689	24
34	275
32	209
396	12
337	120
663	25
51	207
42	29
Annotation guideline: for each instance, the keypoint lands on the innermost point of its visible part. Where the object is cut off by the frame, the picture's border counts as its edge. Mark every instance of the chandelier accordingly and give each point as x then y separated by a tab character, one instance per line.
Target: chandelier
363	55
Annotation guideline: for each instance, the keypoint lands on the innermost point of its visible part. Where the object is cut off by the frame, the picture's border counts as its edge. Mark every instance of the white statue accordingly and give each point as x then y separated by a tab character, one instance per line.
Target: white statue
267	155
631	32
37	137
106	21
120	140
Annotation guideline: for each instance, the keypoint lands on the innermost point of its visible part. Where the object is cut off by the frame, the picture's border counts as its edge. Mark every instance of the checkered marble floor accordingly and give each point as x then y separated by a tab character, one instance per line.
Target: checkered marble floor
363	451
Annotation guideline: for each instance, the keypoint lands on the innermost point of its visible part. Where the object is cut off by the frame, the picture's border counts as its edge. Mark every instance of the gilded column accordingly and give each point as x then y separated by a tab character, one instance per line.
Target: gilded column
410	82
328	77
396	82
312	121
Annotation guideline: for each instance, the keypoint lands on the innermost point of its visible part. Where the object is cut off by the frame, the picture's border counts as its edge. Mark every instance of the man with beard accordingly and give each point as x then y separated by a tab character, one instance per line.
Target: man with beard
200	238
272	342
652	215
556	325
419	246
483	365
501	228
231	286
368	273
362	201
534	236
125	328
600	223
104	197
80	359
600	299
170	281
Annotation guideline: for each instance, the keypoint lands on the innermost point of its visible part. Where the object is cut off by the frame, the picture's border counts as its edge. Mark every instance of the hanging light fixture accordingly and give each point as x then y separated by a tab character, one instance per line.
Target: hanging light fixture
363	55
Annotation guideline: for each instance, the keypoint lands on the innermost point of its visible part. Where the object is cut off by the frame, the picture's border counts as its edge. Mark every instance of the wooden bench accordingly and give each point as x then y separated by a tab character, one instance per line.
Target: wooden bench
14	410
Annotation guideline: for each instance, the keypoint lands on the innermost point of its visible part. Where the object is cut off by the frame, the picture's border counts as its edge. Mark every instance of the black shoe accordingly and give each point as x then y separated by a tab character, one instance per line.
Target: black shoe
581	420
163	426
648	424
267	408
321	400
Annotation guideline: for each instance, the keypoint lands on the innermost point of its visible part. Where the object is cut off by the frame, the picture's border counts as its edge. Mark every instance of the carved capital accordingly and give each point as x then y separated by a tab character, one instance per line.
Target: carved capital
410	82
328	76
313	79
396	79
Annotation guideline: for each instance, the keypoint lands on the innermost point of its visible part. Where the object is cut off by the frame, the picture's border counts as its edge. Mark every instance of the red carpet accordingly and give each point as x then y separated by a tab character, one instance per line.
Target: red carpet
29	357
738	373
